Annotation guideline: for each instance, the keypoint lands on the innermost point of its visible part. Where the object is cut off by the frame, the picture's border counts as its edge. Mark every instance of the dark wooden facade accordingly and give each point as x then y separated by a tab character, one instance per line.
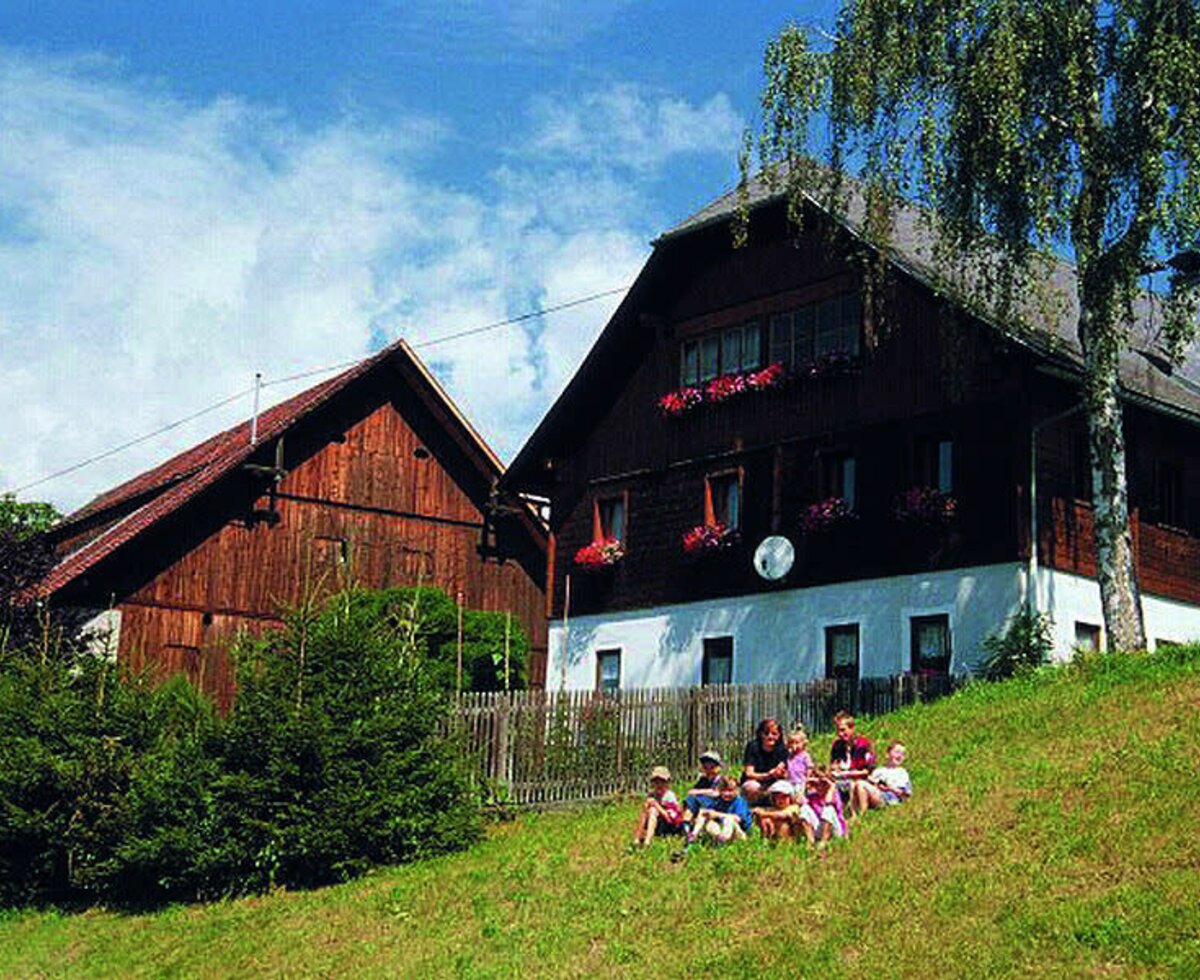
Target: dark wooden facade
384	485
926	372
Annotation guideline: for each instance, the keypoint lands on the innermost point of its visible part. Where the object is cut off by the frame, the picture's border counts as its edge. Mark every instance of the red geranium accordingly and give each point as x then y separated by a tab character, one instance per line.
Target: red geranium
600	554
708	537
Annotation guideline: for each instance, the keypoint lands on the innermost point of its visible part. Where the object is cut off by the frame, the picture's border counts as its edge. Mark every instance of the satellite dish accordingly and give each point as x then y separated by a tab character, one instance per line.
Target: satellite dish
773	558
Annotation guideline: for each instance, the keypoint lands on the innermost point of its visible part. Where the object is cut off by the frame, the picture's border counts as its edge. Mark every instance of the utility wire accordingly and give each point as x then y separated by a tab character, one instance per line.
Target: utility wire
495	325
133	442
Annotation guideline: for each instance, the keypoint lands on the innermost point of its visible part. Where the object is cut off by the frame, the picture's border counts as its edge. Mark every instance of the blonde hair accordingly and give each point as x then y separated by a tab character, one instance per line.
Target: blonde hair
798	734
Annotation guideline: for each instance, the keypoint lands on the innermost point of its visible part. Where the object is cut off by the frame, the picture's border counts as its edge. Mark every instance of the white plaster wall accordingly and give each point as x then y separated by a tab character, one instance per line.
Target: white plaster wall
780	636
1072	598
101	634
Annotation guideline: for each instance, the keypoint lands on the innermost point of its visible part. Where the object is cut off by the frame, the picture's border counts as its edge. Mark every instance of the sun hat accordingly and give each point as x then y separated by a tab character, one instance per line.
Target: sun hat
660	772
782	786
711	756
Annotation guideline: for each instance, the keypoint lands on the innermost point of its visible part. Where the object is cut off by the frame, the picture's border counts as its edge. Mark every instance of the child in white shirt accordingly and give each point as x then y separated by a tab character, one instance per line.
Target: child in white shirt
886	785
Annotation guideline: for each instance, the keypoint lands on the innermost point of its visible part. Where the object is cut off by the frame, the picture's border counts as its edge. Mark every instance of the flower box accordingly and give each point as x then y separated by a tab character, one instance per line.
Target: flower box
721	389
825	515
706	539
925	507
600	554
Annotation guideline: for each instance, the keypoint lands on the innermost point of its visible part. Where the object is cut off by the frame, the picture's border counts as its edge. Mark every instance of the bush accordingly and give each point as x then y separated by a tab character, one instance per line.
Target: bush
1025	644
436	635
331	761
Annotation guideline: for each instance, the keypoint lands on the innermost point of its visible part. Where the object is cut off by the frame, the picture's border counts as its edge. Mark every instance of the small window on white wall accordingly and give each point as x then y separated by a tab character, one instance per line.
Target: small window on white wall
717	667
608	671
1087	637
841	652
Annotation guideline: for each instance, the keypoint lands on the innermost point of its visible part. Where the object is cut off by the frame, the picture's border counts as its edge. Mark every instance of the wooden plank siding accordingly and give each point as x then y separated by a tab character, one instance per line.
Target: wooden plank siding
376	492
924	372
927	370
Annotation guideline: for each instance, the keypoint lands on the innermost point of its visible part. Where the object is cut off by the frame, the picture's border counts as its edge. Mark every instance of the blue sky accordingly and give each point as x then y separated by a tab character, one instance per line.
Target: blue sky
190	193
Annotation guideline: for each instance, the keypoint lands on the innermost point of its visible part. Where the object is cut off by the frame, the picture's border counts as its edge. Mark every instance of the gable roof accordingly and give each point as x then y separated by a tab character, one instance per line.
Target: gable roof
1048	329
166	488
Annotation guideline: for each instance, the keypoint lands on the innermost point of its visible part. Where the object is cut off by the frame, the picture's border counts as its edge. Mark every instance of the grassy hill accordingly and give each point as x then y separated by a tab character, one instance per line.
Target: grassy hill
1055	832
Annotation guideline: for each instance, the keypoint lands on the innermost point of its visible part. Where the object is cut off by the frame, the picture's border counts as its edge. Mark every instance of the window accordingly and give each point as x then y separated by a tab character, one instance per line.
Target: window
1087	637
333	552
723	500
931	644
832	326
717	665
728	351
608	518
933	464
608	671
841	652
1168	493
838	477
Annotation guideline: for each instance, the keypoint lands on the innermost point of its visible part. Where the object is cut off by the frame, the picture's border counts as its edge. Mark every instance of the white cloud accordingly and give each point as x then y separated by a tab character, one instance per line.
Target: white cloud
624	127
156	253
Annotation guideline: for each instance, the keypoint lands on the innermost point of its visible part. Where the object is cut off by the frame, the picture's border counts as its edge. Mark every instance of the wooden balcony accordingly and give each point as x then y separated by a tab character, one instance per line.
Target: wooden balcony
1168	559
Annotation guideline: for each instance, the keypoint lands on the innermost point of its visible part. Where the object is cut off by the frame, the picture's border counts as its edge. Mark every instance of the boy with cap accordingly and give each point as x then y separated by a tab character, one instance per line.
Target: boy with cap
661	812
705	789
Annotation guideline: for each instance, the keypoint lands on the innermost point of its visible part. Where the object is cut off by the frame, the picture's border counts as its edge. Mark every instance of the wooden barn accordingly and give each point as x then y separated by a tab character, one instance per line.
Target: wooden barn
372	475
753	393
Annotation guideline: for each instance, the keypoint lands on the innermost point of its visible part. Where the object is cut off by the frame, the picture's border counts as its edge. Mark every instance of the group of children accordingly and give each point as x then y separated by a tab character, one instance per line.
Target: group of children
781	790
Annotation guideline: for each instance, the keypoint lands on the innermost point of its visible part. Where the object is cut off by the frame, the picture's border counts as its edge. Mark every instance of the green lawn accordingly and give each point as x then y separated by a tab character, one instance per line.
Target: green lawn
1055	832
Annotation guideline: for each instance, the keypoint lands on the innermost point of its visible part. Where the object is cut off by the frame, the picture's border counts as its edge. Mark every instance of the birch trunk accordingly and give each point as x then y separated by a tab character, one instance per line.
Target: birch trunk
1115	565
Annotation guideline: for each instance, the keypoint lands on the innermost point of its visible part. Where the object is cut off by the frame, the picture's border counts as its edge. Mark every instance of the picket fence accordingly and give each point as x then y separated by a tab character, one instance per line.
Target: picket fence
538	748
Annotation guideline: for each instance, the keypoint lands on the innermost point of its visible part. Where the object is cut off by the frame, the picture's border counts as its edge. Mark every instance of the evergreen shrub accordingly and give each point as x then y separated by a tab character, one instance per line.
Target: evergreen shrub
332	760
1025	644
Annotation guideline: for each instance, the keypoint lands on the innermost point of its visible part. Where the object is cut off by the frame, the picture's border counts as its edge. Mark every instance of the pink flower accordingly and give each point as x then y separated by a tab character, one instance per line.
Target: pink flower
600	554
675	403
704	538
825	514
925	505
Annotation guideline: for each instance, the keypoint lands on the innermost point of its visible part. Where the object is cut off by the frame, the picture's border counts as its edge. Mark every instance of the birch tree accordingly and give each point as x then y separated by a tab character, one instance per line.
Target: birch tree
1024	128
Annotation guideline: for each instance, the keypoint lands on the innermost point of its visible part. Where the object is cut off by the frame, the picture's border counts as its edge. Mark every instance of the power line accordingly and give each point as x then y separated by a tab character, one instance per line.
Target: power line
133	442
473	331
496	324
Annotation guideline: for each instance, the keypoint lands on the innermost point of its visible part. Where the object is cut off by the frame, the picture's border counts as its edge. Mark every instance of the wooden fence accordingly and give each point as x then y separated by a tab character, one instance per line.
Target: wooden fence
537	748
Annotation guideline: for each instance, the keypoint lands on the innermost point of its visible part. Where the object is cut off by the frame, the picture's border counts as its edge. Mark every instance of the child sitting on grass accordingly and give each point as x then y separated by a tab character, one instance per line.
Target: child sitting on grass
779	820
886	786
724	819
821	813
661	812
799	761
850	756
705	788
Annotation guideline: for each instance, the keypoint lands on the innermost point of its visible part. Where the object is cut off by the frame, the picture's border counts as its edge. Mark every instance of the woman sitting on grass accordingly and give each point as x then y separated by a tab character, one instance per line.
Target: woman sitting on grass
765	759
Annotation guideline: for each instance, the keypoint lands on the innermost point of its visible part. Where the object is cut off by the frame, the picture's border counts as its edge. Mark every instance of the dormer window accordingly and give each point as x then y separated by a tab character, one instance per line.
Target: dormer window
729	351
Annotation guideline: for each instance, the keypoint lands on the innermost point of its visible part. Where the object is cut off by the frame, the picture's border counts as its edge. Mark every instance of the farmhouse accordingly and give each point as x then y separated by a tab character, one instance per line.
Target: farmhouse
744	394
373	476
